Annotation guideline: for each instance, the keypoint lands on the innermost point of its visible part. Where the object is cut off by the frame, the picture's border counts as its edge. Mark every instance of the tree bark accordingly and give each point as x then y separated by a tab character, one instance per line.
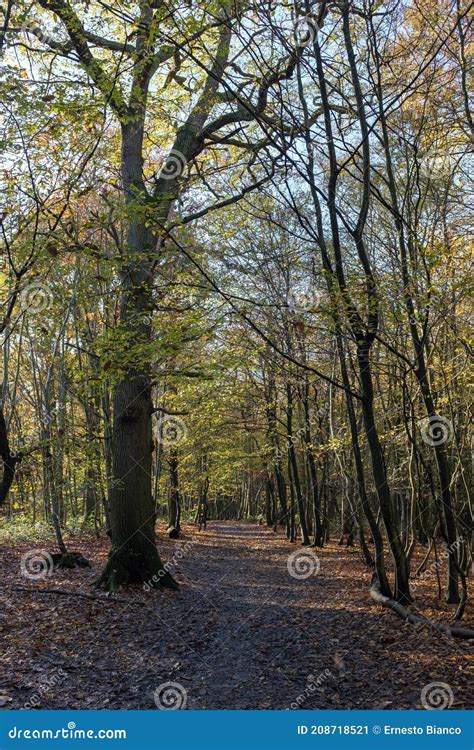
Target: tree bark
293	464
402	573
419	343
175	498
9	460
134	556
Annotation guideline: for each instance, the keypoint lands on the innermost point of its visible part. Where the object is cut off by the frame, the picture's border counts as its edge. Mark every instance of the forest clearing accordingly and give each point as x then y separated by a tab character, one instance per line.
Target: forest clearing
236	345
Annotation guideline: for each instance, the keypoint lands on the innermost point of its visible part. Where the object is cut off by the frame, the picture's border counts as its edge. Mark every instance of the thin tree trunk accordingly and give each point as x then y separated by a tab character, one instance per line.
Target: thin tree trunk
174	509
293	464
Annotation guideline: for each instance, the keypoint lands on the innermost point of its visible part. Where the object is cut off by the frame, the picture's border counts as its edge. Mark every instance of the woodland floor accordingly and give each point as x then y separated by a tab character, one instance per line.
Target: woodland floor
241	633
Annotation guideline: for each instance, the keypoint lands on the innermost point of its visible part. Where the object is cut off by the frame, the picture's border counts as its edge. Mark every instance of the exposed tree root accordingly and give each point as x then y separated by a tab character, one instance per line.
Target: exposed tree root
127	566
413	619
70	560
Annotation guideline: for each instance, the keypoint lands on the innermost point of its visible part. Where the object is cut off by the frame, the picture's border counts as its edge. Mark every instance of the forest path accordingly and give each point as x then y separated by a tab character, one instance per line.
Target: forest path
242	633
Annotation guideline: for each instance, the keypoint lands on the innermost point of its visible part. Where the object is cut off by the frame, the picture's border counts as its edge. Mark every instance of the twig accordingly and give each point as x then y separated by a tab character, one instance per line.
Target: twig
65	592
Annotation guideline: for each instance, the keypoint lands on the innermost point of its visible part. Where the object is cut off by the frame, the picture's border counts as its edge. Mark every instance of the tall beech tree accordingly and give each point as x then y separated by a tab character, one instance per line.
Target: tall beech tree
137	46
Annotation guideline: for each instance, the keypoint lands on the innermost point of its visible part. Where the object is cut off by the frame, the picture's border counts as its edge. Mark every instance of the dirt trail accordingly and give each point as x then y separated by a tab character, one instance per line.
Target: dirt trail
241	633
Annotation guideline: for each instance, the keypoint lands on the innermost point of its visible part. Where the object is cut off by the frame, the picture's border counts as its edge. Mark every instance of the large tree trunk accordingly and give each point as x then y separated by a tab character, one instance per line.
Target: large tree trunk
134	556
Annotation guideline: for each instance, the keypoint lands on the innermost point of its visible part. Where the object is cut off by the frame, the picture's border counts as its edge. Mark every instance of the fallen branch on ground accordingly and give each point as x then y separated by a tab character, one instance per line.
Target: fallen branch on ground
413	619
65	592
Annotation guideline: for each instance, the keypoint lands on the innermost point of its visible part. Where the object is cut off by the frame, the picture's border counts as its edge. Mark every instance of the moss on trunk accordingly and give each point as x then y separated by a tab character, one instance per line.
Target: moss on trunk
127	565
